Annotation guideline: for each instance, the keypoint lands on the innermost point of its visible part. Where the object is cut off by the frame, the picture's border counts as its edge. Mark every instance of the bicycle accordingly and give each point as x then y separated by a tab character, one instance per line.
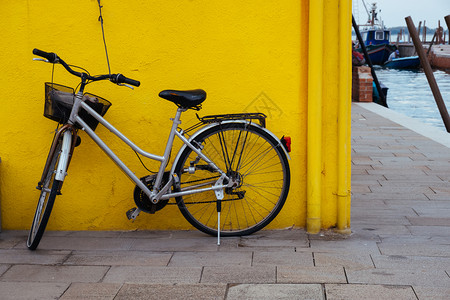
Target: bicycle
230	165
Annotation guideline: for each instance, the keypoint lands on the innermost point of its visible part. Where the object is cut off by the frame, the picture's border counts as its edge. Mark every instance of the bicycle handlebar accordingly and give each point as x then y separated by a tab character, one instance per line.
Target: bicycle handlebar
119	78
50	56
115	78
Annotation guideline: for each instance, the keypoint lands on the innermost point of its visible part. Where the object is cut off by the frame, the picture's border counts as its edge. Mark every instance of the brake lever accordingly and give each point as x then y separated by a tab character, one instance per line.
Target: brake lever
123	84
40	59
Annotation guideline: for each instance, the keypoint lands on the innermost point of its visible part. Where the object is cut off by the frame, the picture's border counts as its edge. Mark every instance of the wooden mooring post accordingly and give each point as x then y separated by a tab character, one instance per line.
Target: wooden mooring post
369	62
447	20
429	73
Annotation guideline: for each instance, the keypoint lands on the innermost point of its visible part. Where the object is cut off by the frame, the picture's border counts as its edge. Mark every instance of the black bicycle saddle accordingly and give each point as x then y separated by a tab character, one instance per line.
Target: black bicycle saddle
185	99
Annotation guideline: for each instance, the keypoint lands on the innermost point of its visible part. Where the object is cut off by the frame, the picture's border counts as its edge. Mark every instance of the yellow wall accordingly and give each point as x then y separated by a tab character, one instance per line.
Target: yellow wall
247	55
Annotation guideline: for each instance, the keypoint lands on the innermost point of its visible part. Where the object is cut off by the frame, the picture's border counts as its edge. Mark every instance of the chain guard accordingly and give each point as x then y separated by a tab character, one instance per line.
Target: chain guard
141	199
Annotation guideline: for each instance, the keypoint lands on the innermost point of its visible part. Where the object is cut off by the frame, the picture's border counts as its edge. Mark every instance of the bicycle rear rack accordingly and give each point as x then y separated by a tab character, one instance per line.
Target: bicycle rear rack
227	117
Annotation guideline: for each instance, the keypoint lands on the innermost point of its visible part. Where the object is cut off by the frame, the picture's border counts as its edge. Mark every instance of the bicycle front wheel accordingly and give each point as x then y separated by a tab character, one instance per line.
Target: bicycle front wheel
258	167
50	187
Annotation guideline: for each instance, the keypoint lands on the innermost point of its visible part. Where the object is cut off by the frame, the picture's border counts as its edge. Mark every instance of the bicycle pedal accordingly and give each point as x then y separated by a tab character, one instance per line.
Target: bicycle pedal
133	213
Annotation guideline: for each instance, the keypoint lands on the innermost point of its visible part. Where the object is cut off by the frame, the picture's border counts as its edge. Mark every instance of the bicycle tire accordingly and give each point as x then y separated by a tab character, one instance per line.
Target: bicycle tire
250	154
49	190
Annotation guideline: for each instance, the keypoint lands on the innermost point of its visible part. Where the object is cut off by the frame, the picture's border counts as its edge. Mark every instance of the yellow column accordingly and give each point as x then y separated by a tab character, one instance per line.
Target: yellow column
314	123
344	108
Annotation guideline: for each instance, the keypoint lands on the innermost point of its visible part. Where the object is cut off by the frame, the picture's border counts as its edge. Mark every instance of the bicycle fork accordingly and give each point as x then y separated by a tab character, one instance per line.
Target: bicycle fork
61	170
69	135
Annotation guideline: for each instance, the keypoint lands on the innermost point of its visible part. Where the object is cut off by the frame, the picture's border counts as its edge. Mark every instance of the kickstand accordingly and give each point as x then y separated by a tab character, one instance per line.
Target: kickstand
219	197
219	208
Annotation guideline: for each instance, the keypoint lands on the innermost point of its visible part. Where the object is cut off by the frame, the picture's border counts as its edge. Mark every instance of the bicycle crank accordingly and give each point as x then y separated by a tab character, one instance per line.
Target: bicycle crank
142	200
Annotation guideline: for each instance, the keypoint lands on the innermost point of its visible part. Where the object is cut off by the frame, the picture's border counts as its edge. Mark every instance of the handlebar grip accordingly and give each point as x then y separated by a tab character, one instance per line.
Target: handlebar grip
50	56
119	78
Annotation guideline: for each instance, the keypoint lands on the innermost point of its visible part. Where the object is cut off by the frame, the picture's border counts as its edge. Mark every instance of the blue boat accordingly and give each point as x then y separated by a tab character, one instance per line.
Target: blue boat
410	62
379	53
376	39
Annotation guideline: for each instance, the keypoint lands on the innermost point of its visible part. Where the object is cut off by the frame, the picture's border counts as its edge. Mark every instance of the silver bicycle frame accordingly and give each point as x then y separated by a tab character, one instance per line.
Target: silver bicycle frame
156	194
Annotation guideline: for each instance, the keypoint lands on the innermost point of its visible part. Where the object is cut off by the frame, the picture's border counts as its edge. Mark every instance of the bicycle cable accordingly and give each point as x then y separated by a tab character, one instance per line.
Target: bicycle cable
100	18
142	163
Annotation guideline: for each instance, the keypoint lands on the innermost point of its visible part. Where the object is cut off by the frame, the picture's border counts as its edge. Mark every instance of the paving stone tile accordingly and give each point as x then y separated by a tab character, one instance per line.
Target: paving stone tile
60	233
282	258
3	269
429	221
409	239
381	155
420	277
442	212
444	176
430	230
290	238
94	234
397	171
364	204
207	258
238	274
364	291
438	197
435	293
116	258
186	244
150	274
367	179
42	257
411	262
276	291
170	292
255	242
12	234
361	189
8	242
83	243
280	234
359	171
439	168
364	161
413	156
39	273
343	260
31	290
97	291
375	229
294	274
164	234
415	203
414	249
358	167
411	184
390	196
345	246
364	218
393	160
412	178
401	190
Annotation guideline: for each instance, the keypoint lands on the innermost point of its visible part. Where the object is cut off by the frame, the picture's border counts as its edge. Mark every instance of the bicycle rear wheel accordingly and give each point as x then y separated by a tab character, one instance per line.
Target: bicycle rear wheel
258	167
50	188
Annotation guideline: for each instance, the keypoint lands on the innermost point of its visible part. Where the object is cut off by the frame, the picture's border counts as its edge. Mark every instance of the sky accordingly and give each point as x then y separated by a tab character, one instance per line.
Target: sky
394	12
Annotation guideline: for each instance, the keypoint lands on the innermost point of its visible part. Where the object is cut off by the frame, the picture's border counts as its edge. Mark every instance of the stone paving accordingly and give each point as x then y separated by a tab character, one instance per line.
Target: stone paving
399	248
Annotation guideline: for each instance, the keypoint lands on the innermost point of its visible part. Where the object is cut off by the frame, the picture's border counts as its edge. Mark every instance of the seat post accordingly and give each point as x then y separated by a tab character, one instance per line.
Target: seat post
176	121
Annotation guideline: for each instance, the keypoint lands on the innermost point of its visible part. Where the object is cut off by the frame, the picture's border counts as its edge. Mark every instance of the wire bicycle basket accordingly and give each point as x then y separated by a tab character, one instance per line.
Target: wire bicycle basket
59	101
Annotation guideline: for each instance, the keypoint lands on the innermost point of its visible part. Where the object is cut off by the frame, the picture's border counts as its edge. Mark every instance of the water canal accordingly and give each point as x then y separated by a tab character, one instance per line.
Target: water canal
410	94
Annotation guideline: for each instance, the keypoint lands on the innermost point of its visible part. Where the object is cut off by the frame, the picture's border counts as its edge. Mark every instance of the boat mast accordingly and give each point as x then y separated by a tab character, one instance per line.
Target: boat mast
374	14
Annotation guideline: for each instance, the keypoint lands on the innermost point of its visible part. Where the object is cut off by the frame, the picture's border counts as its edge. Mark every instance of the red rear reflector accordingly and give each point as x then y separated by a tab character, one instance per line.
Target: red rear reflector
286	141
